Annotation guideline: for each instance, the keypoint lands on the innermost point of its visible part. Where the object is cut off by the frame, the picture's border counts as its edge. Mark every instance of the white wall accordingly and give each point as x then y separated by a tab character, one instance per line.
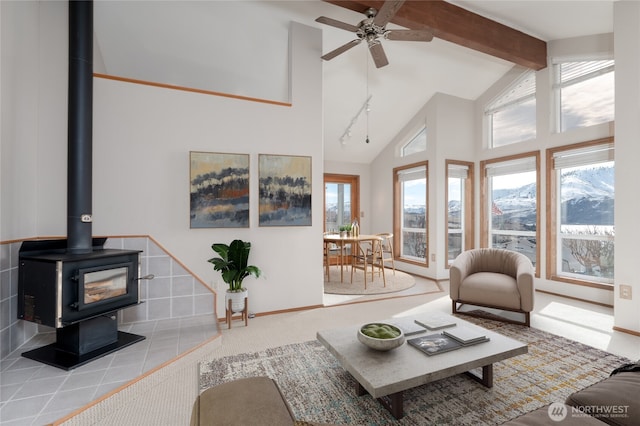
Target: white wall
142	138
18	121
627	47
456	138
142	143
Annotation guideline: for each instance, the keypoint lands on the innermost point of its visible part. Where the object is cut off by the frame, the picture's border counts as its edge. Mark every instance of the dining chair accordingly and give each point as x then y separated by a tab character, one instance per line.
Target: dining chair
370	257
331	251
387	249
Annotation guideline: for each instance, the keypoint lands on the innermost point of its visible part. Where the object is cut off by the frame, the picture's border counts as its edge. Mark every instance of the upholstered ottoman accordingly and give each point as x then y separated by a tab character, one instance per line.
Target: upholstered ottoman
613	401
253	401
541	417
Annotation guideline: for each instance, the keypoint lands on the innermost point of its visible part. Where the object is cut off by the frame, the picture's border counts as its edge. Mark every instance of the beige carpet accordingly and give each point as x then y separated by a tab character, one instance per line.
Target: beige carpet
394	282
165	397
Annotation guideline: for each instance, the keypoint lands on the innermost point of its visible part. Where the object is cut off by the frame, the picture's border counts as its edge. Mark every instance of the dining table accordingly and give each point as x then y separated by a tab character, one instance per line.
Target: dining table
342	241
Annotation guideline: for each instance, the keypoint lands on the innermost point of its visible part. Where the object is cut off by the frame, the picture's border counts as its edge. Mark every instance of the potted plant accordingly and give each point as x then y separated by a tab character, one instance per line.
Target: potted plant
233	264
345	230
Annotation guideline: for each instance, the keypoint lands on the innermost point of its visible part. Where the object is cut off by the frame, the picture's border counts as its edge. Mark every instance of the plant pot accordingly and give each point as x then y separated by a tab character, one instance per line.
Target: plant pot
237	300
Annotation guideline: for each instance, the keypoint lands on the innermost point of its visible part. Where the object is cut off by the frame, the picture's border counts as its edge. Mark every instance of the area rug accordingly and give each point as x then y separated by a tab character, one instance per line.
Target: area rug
395	282
318	389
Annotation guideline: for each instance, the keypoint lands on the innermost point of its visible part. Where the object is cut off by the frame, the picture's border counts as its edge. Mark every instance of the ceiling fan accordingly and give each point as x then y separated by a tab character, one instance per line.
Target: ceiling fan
372	29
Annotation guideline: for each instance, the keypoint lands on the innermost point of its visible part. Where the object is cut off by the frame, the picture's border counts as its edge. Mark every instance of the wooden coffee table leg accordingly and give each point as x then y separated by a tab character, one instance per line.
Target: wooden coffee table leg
393	402
487	376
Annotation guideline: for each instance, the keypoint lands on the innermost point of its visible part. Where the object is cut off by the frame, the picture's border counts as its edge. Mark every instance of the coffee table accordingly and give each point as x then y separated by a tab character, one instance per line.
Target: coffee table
385	375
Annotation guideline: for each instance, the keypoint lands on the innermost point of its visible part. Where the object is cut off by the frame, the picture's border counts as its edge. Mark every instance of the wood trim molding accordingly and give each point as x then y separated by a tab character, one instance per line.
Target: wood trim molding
189	89
626	330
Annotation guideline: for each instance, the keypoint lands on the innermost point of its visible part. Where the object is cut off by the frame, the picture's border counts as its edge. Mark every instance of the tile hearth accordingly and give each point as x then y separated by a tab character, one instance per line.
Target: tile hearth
32	393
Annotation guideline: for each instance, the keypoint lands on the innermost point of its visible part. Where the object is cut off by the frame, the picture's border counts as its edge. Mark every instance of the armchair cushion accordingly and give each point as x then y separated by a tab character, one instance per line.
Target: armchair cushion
491	288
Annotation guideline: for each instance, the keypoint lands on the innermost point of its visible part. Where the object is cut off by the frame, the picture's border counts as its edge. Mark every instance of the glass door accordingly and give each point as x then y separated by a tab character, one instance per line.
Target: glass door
341	206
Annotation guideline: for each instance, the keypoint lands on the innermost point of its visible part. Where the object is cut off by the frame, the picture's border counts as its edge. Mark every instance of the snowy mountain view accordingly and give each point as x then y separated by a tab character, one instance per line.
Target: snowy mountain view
587	197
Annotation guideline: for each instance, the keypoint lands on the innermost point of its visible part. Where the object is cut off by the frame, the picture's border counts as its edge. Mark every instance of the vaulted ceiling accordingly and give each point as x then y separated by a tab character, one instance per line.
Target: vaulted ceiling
233	46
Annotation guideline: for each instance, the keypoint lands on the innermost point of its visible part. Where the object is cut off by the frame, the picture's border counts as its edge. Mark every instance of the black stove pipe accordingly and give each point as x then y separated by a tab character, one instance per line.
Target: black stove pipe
80	124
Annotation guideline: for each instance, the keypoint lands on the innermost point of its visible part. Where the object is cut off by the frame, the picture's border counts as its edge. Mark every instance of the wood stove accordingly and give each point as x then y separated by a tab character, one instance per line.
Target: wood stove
79	295
76	285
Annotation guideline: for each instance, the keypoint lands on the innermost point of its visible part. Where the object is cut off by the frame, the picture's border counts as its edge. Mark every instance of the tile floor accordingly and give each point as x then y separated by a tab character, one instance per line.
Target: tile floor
32	393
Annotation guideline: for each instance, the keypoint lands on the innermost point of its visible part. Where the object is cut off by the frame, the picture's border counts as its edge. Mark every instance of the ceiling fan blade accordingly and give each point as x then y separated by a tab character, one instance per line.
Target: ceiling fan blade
341	49
409	35
387	11
379	57
337	24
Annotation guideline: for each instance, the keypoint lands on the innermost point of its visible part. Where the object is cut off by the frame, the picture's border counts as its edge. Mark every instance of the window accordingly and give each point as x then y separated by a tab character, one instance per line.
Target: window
341	195
410	212
417	144
459	201
582	204
510	202
511	117
584	93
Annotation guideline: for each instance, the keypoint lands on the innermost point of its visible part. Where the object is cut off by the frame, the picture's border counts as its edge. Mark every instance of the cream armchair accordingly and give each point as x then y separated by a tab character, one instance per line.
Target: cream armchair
492	278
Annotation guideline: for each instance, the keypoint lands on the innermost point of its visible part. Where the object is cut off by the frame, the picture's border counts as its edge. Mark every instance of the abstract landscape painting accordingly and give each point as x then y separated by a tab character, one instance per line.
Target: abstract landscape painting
285	190
219	190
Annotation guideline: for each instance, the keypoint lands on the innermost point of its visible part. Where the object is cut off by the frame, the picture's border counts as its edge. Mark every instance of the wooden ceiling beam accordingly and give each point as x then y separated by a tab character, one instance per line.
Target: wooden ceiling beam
457	25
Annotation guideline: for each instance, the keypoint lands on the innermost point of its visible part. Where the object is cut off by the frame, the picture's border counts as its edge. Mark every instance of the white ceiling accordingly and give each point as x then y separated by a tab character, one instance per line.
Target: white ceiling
239	47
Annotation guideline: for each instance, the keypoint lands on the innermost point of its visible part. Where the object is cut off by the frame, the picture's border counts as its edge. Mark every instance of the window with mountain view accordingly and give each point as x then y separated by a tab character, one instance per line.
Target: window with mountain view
410	210
582	199
511	117
584	93
511	204
459	208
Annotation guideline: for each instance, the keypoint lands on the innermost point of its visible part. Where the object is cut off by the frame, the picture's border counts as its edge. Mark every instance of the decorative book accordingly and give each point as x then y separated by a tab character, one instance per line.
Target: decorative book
435	321
407	325
465	335
435	344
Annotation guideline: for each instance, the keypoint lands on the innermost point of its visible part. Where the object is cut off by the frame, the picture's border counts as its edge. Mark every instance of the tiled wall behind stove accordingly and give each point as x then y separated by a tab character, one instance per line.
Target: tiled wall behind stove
13	332
172	293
